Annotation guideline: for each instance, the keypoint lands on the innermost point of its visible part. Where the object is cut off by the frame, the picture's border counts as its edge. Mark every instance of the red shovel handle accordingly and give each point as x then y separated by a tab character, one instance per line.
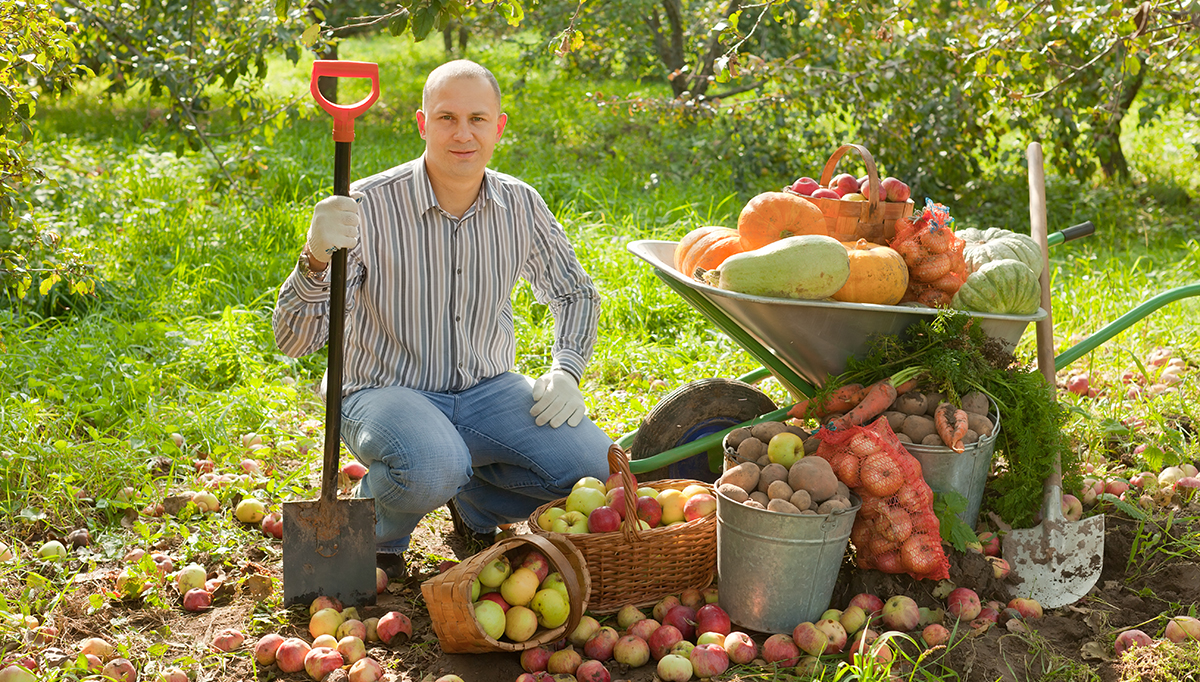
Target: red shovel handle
344	114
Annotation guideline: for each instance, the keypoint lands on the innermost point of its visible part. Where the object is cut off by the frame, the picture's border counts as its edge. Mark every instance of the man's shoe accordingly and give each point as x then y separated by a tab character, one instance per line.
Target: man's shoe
462	530
392	564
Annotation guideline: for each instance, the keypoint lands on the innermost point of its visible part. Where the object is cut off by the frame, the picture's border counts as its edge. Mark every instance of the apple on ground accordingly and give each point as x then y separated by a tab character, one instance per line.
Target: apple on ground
365	670
692	598
664	605
711	594
564	661
325	640
272	525
644	628
835	632
1182	628
683	617
1000	567
171	674
290	654
741	648
990	543
662	640
600	645
935	635
228	639
1028	608
354	470
710	638
781	649
352	648
592	671
811	639
534	660
1129	639
325	622
250	510
901	613
628	615
963	603
197	600
322	660
674	668
632	651
1072	508
587	627
853	619
96	646
869	603
266	647
712	618
394	628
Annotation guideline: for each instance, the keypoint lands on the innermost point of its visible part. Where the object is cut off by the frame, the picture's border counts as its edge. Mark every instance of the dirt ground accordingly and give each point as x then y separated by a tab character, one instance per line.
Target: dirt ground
1080	635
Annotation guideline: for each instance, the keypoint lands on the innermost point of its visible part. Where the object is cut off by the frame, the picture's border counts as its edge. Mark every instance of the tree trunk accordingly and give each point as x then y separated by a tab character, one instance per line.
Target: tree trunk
670	52
1108	139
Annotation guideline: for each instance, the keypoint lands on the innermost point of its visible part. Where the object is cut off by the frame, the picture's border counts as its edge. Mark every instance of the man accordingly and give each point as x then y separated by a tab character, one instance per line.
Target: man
435	249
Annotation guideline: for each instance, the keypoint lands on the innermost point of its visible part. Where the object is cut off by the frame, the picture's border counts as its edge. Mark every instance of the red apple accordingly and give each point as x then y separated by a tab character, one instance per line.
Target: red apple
709	660
780	648
663	639
1129	639
604	520
683	617
935	635
894	190
600	645
644	628
811	639
664	605
266	648
587	627
901	613
843	184
354	470
825	193
963	603
990	542
649	510
835	632
615	481
228	639
496	597
322	660
535	659
272	525
366	670
632	651
805	186
712	618
394	628
740	647
699	506
196	600
1182	628
1028	608
692	598
869	603
564	661
538	563
592	671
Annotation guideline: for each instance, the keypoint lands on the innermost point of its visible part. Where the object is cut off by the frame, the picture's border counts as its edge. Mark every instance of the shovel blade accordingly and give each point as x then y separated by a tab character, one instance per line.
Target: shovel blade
329	549
1056	562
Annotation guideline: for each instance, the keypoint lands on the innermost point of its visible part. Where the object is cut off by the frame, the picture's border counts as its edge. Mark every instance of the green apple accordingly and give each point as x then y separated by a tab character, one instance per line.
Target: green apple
52	550
647	491
590	482
547	517
555	582
785	448
491	618
552	608
476	586
520	623
672	502
585	500
495	571
571	522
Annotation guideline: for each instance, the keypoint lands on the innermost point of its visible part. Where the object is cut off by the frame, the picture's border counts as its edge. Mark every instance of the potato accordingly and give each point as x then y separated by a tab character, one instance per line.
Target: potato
765	431
804	435
830	506
911	403
932	439
754	503
771	473
918	426
811	445
979	424
736	436
842	491
814	475
903	437
733	492
744	476
895	419
764	461
971	437
782	506
760	498
779	490
975	403
801	499
931	401
751	449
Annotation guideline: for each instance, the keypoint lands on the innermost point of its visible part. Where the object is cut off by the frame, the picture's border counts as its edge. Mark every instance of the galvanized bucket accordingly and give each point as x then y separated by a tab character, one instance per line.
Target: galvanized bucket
963	472
778	570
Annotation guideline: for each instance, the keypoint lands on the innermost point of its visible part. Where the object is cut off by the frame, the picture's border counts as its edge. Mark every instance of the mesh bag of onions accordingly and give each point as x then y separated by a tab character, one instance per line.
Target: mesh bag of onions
896	530
936	267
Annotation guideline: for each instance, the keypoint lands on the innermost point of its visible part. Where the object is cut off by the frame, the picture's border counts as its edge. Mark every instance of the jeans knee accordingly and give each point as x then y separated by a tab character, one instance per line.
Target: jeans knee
416	487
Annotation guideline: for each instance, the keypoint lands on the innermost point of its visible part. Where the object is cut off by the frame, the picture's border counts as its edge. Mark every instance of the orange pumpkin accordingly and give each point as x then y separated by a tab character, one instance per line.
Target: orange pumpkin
772	216
878	274
706	247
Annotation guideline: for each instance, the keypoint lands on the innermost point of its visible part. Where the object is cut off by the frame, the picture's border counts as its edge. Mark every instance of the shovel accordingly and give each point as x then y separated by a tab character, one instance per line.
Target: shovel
1057	561
329	544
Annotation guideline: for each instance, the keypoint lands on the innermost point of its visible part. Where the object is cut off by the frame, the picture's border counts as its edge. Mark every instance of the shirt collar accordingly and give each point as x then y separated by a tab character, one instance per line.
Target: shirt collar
489	191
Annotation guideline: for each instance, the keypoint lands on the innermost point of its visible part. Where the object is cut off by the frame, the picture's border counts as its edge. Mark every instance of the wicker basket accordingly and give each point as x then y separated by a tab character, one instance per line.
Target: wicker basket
849	221
640	567
448	596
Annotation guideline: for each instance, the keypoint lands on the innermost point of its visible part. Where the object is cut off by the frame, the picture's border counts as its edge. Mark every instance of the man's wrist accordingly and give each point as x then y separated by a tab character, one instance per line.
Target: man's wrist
314	264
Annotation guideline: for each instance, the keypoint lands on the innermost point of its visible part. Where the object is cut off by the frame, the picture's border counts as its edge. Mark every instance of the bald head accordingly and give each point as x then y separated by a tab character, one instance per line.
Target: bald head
457	70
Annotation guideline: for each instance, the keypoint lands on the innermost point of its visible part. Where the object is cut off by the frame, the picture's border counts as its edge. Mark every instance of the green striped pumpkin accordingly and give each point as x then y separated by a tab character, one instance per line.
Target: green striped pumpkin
985	246
1006	287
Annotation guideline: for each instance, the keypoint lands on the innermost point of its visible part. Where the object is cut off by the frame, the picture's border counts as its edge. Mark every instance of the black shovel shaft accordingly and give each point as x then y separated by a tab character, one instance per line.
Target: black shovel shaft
337	329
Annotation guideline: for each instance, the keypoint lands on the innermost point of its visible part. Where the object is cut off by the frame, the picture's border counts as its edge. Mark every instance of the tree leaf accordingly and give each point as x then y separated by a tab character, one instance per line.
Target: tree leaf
309	37
398	24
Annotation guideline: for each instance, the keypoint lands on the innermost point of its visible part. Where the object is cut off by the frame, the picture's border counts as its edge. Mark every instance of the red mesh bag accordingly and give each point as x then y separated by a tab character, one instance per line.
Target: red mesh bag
896	530
936	267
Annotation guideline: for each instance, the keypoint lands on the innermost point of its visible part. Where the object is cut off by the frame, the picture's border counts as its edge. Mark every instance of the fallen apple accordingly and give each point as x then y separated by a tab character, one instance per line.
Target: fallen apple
592	671
52	550
290	654
779	648
629	614
683	617
712	618
601	645
643	628
322	660
901	613
963	603
662	640
674	668
632	651
266	647
250	510
535	659
587	627
365	670
1129	639
120	670
228	639
325	622
1182	628
564	661
394	628
741	648
810	639
935	635
172	674
196	600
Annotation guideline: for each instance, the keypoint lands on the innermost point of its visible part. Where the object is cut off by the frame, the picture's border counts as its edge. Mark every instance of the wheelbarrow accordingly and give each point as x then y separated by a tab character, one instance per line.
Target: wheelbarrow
801	344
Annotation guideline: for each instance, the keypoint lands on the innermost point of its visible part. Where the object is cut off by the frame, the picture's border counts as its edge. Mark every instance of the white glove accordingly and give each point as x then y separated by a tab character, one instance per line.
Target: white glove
334	226
557	399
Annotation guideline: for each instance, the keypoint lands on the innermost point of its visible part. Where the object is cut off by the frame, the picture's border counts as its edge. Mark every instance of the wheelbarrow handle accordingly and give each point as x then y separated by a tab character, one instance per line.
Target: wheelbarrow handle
1074	232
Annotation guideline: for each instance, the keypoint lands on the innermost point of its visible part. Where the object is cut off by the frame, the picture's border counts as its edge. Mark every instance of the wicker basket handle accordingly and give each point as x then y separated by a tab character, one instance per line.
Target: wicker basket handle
618	463
570	579
873	207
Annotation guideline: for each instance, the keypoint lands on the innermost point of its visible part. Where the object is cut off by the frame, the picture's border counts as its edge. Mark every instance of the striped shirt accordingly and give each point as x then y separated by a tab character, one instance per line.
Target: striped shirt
428	296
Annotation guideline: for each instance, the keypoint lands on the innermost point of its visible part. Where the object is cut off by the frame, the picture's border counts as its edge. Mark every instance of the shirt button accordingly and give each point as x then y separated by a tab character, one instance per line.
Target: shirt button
457	318
458	271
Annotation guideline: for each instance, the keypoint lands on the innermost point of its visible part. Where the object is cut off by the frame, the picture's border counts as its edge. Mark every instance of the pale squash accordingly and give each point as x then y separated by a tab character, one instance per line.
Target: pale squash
706	247
772	216
1006	287
878	274
984	246
809	267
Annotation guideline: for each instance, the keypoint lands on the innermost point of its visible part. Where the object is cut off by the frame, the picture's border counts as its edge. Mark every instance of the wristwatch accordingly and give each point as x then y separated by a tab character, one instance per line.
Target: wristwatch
305	269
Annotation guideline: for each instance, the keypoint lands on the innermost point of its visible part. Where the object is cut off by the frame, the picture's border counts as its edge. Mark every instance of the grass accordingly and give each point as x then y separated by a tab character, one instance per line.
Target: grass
178	339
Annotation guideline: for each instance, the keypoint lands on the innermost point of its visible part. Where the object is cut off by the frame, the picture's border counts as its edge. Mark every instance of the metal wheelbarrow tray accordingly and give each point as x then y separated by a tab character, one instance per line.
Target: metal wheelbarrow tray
813	338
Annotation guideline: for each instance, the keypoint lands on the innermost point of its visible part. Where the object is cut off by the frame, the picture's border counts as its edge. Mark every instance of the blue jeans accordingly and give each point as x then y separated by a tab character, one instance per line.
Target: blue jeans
478	446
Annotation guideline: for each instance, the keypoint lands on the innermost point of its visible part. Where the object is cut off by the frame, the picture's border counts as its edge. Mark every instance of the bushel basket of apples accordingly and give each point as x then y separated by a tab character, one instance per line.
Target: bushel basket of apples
640	543
856	208
520	593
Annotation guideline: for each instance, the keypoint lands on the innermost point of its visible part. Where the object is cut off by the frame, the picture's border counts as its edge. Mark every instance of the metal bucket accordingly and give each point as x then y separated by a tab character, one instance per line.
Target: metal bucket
963	472
778	570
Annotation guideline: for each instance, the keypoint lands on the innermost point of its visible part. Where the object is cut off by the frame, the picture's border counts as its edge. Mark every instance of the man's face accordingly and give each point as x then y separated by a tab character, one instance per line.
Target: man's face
461	124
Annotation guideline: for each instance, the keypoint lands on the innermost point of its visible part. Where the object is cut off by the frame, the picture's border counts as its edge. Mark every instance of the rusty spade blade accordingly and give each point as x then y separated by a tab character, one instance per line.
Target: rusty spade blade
329	544
1057	561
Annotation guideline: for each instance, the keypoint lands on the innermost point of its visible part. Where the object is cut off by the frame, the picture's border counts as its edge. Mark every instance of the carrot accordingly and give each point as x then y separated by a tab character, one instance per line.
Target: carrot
879	396
839	400
951	433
